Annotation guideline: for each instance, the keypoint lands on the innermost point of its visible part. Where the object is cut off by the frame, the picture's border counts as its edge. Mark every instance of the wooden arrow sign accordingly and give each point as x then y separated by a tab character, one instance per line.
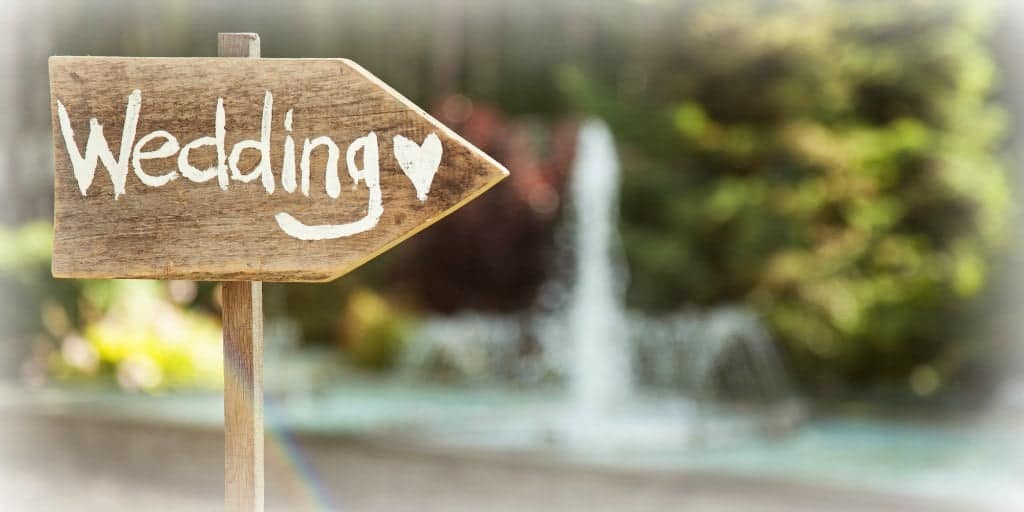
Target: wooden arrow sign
243	169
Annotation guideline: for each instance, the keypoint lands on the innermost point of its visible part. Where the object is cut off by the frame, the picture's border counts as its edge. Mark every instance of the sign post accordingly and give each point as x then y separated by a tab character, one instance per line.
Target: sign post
243	170
242	314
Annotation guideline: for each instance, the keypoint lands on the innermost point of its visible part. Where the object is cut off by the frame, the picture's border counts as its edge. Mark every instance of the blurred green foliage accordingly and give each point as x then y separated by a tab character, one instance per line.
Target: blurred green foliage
834	164
25	275
143	340
374	330
129	332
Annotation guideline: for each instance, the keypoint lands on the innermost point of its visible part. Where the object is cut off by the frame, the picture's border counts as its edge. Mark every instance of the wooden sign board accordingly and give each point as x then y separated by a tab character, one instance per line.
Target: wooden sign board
243	169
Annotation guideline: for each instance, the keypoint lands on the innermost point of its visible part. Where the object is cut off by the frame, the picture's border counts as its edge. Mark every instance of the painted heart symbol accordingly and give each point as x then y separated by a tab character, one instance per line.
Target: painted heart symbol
419	162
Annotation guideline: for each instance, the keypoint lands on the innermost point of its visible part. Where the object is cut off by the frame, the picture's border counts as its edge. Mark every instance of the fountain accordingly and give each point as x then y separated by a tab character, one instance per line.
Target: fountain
600	366
635	382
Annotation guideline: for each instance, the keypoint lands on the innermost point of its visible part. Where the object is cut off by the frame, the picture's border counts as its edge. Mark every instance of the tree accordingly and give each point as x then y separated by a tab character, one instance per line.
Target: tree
832	164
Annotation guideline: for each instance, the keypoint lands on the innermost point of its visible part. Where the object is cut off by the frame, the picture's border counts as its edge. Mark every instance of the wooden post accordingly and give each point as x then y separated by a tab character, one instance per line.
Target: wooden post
242	303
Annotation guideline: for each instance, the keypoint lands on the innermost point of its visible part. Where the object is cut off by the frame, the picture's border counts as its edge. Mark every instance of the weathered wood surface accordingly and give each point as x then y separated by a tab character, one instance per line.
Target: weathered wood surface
238	44
243	395
196	230
242	315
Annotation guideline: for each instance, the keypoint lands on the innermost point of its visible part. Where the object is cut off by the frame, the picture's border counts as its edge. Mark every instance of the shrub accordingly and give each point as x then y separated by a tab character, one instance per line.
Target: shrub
831	163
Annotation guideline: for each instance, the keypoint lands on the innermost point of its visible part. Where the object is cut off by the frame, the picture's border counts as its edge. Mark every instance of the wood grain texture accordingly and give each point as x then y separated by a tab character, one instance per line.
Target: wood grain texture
243	395
242	310
188	230
238	44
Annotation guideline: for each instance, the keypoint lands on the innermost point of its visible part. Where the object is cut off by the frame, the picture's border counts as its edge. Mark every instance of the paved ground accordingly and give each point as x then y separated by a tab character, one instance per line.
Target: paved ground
54	463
